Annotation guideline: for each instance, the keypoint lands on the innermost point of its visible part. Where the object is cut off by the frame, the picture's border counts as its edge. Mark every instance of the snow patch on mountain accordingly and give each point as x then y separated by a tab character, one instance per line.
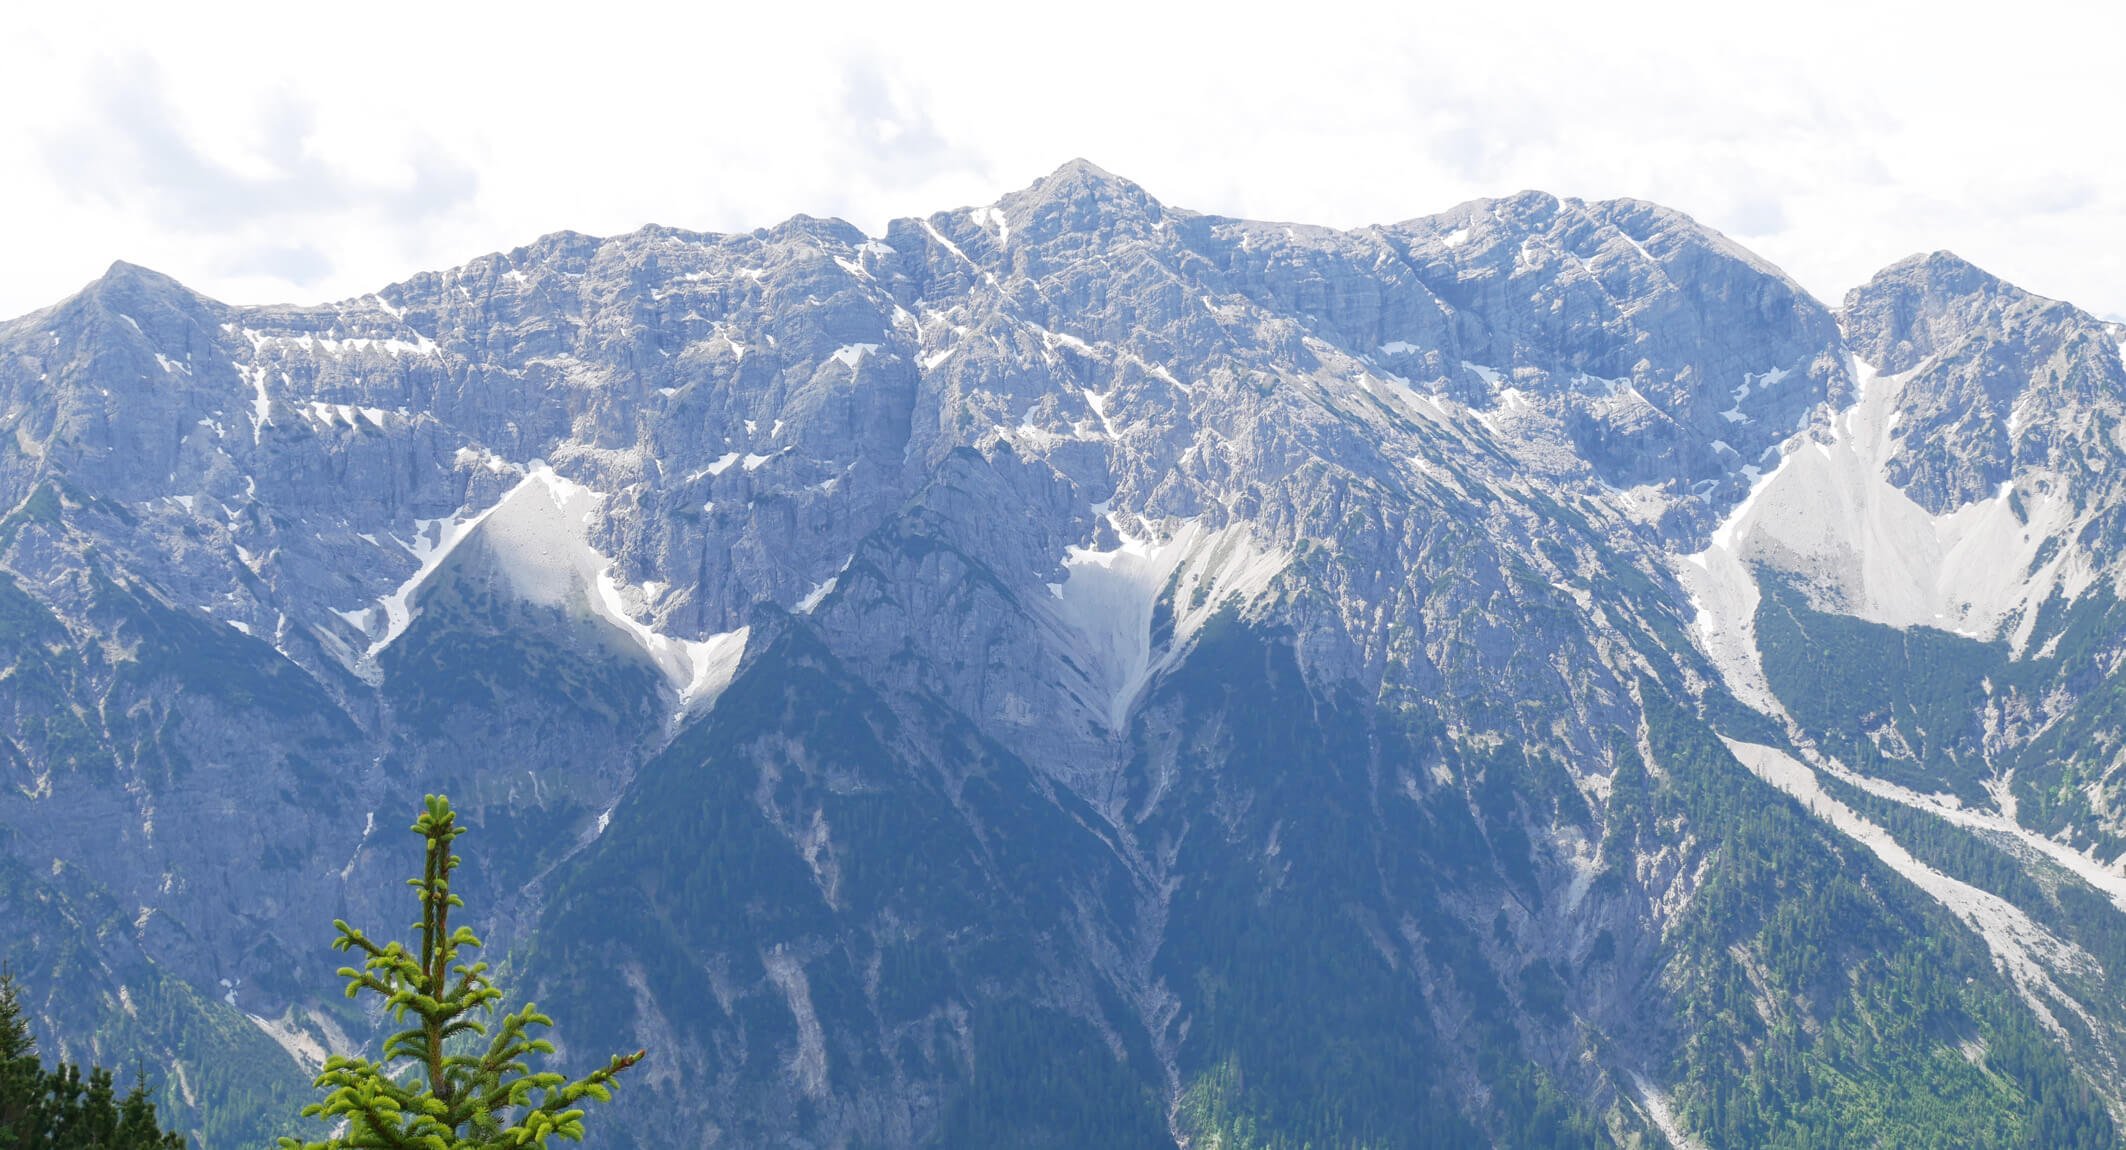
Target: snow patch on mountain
261	403
433	541
538	538
714	661
1829	517
815	596
1105	605
849	355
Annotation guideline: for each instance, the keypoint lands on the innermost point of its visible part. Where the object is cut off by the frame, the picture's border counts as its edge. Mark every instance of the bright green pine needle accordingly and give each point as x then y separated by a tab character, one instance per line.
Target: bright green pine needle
420	1096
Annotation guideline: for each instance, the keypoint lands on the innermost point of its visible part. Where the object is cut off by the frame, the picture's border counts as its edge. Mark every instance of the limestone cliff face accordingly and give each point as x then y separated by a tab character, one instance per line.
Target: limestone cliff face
2004	382
1072	629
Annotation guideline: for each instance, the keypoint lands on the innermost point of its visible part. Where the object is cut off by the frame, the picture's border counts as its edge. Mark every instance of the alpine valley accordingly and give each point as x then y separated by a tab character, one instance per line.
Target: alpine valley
1078	672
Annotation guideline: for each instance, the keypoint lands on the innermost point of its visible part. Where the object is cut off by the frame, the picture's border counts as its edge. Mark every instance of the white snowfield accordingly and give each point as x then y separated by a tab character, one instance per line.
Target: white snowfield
1103	609
537	536
1828	515
535	540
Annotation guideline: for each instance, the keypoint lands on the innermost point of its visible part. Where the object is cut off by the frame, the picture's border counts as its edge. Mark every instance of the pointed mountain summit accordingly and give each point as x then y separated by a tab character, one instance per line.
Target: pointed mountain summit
1926	304
1079	196
1057	219
1991	379
147	304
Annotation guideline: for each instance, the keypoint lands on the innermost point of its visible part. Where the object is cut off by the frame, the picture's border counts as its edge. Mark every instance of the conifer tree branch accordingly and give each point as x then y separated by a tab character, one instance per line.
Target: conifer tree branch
491	1100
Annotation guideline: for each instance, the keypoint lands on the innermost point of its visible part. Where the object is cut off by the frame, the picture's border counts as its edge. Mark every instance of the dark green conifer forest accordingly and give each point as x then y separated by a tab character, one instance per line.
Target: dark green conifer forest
59	1107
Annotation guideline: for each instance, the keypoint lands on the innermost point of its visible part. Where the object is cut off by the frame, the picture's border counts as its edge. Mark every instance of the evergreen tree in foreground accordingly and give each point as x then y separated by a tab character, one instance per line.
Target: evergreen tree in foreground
457	1096
58	1109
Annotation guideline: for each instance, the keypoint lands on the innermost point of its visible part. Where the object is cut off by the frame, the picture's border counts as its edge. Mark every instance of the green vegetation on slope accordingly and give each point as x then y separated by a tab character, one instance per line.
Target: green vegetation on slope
60	1108
470	649
1904	704
2061	902
1825	1001
2057	771
1307	1027
777	856
217	1075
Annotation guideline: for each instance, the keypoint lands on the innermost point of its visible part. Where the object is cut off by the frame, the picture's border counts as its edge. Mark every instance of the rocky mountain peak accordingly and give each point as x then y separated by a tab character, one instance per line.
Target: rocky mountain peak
1082	185
1923	305
146	303
1078	199
1990	379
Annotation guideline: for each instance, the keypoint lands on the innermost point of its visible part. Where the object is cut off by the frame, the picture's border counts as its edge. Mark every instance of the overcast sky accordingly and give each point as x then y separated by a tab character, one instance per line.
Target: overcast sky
310	152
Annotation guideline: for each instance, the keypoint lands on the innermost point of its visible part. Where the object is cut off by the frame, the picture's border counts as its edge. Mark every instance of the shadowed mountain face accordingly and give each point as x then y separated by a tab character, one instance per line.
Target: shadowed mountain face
1081	672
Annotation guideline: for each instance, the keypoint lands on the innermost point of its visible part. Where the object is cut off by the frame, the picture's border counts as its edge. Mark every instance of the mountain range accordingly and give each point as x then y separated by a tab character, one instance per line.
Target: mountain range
1082	672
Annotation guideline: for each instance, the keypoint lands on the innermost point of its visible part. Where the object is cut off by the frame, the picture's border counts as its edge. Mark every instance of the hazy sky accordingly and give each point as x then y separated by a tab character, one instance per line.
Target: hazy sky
308	152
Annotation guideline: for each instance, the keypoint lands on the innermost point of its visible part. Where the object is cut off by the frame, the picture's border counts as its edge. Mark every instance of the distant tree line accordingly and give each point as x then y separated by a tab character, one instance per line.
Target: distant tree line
60	1108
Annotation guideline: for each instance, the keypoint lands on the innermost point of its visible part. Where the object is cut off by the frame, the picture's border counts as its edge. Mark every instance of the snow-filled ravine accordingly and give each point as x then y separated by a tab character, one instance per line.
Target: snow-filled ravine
1829	517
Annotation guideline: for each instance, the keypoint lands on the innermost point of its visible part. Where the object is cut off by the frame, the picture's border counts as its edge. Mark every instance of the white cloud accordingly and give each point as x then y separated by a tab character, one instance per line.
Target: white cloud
306	152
